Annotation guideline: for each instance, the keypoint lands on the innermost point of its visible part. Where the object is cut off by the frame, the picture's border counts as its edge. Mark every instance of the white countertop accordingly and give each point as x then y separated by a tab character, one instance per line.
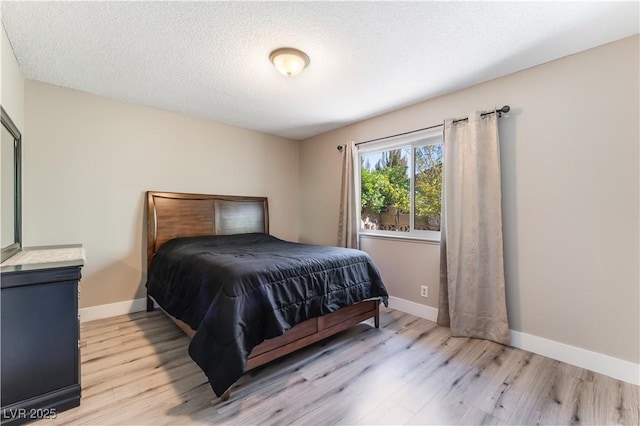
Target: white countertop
45	256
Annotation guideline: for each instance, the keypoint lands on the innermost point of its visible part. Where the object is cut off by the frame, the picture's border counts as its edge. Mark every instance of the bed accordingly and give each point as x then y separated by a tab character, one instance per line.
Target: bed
243	296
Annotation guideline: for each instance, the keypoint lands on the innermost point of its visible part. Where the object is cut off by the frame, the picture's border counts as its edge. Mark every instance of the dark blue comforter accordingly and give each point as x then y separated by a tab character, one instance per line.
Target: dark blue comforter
238	290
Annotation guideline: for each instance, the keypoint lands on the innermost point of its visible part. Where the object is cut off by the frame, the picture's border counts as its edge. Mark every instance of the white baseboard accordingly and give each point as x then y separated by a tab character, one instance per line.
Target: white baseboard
613	367
112	309
415	309
604	364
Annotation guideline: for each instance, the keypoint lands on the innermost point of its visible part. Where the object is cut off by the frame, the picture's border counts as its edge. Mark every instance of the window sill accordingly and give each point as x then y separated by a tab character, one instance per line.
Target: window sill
408	238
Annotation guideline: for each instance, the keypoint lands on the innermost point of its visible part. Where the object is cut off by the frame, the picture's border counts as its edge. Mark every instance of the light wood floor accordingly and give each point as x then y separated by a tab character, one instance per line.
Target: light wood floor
136	370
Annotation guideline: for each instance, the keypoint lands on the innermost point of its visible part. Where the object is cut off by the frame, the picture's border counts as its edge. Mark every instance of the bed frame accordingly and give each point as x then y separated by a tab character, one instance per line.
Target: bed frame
172	214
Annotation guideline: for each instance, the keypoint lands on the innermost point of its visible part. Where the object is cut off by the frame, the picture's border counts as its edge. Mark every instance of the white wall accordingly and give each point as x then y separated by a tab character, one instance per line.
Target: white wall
412	265
570	180
88	161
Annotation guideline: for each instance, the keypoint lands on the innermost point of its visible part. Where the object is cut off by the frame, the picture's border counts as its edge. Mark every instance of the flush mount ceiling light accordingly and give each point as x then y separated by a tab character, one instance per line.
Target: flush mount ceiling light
289	61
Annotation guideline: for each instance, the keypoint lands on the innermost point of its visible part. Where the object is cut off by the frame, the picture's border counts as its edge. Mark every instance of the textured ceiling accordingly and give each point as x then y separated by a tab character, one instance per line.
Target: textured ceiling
211	59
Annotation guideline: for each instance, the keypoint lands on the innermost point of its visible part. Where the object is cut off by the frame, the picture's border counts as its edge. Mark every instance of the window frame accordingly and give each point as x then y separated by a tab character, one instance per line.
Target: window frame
417	139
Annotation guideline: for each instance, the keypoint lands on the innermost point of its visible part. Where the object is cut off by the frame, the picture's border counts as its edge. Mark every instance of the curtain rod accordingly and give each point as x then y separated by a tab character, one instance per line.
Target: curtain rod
504	109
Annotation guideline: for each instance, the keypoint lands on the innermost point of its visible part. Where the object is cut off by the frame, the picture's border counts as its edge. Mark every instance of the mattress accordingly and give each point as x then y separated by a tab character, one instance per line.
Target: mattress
238	290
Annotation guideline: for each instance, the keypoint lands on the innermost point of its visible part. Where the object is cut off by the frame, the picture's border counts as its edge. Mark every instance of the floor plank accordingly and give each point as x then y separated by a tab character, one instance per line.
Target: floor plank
136	370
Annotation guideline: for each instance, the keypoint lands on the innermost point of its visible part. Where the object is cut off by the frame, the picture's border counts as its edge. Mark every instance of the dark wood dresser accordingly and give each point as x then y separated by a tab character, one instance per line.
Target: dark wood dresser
40	356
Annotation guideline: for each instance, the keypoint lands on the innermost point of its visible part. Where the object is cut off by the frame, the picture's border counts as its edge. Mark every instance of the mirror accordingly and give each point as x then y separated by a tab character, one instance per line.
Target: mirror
10	187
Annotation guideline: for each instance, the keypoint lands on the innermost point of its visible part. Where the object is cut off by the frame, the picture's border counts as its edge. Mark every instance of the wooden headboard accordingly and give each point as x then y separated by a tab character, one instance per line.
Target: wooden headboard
175	214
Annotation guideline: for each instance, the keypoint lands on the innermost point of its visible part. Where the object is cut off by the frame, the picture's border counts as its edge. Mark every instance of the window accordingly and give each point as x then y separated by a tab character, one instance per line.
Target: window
400	185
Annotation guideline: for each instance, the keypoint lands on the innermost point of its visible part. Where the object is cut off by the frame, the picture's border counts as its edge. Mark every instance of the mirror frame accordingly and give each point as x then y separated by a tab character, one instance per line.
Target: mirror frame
10	250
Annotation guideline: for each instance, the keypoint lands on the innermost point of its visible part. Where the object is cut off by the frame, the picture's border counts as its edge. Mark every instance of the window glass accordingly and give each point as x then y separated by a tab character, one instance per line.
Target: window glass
385	190
401	187
428	187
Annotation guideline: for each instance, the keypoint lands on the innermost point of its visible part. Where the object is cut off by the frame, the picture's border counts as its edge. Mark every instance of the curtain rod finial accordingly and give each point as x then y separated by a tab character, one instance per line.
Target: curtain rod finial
340	148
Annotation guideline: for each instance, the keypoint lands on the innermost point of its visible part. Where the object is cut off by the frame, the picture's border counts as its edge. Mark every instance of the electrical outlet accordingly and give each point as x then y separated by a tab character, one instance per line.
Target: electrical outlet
424	291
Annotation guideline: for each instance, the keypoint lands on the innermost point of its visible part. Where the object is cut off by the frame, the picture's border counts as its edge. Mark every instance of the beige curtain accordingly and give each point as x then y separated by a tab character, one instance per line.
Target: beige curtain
472	290
348	219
